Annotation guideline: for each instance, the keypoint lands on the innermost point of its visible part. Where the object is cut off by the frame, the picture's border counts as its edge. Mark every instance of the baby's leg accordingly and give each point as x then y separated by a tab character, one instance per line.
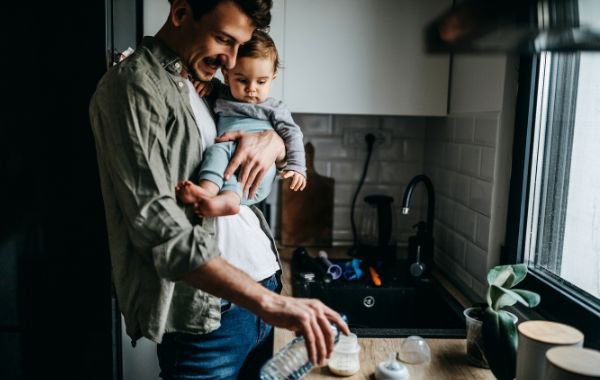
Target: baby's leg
188	192
225	203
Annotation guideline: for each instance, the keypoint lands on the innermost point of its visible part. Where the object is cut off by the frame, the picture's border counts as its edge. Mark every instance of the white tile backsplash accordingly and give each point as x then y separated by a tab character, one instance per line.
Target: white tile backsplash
481	196
486	170
314	124
331	147
452	156
470	160
476	262
406	127
486	127
341	150
461	152
460	190
482	231
343	122
465	129
458	152
464	221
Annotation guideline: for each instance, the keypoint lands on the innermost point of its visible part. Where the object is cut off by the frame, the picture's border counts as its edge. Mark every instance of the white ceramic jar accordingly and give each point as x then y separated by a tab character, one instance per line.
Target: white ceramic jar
572	363
537	337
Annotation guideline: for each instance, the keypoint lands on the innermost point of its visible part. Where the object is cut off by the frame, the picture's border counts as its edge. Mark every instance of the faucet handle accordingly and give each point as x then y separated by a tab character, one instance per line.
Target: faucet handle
421	227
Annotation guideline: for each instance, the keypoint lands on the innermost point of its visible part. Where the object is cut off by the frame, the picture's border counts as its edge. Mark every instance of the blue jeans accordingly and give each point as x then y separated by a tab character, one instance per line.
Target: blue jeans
239	347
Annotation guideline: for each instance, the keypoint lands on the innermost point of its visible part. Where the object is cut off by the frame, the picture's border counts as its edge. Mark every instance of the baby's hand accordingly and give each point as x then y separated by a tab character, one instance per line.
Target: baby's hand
298	180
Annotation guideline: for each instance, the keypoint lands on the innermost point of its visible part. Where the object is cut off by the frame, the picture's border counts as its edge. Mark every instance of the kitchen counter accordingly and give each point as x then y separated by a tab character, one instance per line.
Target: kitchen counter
448	355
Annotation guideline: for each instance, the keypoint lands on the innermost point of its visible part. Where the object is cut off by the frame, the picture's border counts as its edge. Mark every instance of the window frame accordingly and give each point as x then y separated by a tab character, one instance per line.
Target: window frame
561	302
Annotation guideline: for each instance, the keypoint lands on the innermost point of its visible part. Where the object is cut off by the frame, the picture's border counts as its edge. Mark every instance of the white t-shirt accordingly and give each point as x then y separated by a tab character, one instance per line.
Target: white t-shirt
240	238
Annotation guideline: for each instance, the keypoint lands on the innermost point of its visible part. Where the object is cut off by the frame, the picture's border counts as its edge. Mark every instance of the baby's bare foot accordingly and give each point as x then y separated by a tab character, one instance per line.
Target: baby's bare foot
188	192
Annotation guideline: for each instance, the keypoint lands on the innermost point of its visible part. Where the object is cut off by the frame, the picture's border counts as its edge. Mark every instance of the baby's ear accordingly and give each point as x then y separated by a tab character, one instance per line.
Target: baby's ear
274	76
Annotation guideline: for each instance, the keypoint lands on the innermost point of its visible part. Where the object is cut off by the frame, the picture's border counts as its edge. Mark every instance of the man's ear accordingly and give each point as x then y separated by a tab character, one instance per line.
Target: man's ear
225	75
180	10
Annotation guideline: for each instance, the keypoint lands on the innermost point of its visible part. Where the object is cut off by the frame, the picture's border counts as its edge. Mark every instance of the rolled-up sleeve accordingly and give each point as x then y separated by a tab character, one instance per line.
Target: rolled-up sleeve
291	133
130	124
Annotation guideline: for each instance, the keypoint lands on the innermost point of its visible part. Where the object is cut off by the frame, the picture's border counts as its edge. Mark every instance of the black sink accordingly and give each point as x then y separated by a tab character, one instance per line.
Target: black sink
402	306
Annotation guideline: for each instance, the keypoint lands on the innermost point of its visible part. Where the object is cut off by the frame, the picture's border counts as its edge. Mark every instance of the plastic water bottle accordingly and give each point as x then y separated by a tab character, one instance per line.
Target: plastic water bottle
291	362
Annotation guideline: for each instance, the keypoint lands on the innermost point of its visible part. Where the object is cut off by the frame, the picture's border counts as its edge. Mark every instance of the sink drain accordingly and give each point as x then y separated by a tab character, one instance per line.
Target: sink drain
369	301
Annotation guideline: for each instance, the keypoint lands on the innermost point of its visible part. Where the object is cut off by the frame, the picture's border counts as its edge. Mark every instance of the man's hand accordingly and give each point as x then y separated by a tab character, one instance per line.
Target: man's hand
298	181
254	155
309	317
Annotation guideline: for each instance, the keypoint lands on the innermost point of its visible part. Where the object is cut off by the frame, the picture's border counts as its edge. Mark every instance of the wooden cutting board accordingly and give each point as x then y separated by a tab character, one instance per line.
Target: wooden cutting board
307	216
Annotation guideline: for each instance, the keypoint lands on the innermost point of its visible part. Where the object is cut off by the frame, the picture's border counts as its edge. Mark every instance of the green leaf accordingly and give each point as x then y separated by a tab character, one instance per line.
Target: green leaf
499	274
502	297
500	343
507	276
531	299
519	271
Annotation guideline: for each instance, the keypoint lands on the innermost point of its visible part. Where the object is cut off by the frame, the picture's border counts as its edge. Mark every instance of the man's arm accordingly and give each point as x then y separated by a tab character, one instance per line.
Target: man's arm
255	153
309	317
127	120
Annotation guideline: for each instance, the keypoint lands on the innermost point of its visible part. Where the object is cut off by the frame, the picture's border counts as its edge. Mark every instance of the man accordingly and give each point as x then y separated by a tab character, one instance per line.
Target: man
150	128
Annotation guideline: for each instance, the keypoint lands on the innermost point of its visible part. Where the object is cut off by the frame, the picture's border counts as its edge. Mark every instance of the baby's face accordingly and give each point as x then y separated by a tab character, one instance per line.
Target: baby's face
250	80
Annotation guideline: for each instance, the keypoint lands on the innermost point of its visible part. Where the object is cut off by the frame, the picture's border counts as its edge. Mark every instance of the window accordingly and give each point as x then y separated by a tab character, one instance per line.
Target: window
563	229
555	189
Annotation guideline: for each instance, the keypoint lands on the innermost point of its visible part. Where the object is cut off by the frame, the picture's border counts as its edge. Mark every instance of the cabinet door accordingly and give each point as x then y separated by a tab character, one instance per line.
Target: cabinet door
362	57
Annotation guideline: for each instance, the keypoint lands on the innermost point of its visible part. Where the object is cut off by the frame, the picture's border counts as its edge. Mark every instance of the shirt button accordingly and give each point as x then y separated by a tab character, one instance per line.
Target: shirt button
180	84
177	65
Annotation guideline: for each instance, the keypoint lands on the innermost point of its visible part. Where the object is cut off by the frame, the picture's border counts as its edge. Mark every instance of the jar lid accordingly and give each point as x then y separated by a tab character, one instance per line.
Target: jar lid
550	332
578	360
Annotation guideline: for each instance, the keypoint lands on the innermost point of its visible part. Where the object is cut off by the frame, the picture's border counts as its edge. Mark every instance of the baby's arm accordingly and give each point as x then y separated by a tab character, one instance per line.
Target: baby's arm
298	180
290	132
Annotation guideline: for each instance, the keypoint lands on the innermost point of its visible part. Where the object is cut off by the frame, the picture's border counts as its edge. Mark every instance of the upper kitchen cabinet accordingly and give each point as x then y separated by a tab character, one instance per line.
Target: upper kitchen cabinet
360	57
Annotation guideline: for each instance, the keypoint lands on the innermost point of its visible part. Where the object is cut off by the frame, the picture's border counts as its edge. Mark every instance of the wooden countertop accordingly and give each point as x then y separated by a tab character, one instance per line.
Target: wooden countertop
448	356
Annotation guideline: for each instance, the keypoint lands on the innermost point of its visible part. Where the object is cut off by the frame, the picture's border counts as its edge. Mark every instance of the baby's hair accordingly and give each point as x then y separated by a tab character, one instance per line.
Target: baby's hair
261	45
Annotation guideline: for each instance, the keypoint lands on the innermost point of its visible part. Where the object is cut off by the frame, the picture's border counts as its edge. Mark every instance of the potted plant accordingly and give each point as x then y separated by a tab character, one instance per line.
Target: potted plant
491	331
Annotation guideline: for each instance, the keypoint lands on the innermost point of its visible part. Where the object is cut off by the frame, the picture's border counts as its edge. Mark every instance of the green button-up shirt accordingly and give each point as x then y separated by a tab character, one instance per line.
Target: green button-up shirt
147	140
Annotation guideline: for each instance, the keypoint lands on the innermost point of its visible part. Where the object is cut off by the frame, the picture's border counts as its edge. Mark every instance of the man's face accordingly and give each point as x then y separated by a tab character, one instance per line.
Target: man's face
212	41
250	79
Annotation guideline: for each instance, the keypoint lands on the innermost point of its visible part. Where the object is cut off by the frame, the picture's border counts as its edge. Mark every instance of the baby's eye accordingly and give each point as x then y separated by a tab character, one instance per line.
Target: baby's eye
243	81
262	81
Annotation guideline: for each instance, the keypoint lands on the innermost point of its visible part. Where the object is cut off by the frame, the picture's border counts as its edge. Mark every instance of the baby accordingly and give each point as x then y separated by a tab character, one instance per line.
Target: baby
245	106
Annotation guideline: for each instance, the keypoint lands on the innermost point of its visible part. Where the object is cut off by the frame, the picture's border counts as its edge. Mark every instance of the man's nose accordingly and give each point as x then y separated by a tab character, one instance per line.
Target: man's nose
229	57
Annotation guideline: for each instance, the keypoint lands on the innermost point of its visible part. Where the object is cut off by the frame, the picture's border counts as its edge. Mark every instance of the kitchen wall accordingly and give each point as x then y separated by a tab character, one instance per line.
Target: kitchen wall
468	155
340	152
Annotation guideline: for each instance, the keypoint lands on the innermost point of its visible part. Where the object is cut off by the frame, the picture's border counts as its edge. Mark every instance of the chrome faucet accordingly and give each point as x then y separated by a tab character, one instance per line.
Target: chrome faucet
430	199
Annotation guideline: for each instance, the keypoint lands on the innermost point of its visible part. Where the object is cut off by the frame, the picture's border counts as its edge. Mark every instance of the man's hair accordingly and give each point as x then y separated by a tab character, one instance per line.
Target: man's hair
259	11
261	45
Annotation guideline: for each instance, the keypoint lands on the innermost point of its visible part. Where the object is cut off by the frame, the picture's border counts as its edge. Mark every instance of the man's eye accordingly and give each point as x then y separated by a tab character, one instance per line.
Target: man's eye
223	40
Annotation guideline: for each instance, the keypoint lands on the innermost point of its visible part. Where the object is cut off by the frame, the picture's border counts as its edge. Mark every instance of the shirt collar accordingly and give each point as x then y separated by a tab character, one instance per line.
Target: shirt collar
167	57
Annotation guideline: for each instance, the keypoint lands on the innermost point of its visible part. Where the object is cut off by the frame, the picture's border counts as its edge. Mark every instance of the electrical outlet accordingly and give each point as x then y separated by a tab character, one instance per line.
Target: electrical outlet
356	137
382	137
